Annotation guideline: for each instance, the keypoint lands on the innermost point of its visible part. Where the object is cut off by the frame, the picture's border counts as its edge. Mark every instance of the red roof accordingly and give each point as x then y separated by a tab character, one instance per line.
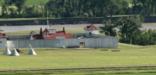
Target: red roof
57	34
2	35
54	35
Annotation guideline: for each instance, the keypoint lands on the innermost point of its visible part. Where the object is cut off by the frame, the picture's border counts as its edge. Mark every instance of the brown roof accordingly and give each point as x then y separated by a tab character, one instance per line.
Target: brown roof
90	27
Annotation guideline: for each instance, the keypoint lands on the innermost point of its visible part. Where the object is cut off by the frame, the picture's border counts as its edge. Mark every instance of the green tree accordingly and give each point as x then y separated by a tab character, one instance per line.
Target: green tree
145	38
129	28
34	11
86	8
18	3
144	7
56	7
109	28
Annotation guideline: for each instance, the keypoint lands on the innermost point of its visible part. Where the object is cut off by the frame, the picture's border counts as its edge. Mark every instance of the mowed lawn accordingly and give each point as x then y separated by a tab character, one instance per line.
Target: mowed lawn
129	55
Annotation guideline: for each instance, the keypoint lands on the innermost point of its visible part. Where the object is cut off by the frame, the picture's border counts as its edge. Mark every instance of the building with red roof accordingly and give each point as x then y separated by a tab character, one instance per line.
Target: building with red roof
51	34
2	35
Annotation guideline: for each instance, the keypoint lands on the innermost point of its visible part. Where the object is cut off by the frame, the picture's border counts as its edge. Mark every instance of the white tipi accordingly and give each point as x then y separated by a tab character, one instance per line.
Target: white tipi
7	51
31	50
15	53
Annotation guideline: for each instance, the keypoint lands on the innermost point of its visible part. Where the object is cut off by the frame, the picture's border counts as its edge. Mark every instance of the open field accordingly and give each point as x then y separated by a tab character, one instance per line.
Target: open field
129	55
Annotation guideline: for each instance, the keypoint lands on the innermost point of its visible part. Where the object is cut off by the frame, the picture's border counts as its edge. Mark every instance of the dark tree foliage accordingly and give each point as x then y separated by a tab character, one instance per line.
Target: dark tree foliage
86	8
18	3
144	7
109	27
145	38
129	28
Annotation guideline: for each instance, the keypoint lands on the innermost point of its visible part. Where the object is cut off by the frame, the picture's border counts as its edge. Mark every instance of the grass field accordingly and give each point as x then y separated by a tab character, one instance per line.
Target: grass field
129	55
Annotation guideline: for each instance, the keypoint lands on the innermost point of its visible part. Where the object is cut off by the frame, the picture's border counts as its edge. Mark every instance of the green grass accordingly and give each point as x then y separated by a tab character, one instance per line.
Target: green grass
81	58
129	55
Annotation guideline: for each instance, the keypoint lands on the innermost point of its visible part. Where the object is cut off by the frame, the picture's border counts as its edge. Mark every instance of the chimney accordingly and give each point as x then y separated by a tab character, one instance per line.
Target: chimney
64	29
41	33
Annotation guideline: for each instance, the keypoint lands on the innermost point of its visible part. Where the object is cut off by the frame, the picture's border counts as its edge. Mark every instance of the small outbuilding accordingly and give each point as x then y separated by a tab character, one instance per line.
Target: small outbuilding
51	34
91	30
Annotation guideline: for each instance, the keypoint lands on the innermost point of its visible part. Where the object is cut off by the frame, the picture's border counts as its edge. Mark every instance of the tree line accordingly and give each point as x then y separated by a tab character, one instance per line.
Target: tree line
77	8
127	30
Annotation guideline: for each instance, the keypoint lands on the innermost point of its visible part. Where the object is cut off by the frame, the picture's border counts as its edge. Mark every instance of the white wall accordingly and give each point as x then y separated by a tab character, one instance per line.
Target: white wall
3	43
105	42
